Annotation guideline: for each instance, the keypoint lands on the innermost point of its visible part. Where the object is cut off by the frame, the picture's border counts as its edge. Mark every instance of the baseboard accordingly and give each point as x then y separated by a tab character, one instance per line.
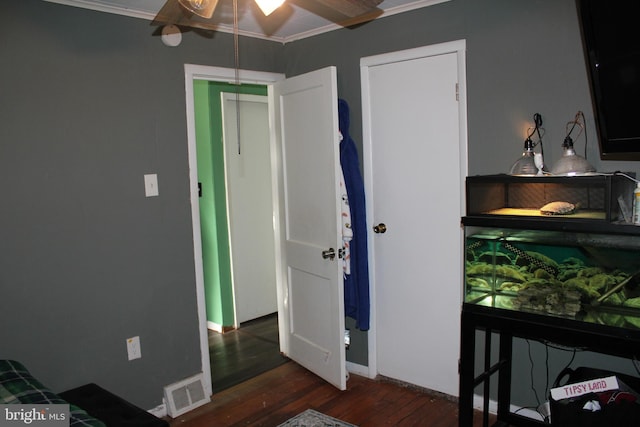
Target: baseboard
219	328
354	368
214	326
478	403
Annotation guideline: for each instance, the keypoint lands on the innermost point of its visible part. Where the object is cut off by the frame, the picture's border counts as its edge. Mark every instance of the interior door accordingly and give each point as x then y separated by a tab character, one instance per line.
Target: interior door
249	204
306	117
416	155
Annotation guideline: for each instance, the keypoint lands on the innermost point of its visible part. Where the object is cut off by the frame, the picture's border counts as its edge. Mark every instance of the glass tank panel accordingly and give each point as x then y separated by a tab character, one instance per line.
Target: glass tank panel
583	276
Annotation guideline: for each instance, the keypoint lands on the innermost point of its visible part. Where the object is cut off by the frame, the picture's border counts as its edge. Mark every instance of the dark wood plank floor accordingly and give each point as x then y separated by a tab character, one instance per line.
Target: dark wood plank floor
281	393
241	354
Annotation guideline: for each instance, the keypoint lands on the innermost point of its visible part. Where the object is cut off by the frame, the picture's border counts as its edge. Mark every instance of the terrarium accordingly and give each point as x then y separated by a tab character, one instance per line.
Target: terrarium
554	246
594	198
590	277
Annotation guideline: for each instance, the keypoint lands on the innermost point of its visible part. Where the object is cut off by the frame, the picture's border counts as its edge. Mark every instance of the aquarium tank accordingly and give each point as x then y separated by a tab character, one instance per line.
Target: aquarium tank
585	276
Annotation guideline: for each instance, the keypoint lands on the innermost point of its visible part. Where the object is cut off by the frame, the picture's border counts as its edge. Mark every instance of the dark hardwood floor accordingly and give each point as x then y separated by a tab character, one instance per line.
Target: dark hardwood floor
254	385
241	354
283	392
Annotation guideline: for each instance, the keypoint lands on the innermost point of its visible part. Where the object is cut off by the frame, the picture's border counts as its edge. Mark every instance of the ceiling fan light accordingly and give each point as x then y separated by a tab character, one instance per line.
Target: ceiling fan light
203	8
268	6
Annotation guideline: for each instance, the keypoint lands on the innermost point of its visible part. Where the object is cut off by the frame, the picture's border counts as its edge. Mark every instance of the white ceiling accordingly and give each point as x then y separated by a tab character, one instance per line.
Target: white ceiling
290	22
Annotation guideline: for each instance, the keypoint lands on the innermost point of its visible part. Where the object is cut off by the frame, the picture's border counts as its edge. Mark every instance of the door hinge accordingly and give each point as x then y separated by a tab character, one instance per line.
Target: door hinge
199	189
457	92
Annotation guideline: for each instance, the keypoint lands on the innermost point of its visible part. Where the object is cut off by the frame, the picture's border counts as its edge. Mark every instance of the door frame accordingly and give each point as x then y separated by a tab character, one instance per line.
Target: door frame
458	47
210	73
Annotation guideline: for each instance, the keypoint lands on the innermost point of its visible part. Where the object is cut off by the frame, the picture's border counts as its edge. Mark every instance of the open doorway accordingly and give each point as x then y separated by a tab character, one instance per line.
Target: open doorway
310	317
236	223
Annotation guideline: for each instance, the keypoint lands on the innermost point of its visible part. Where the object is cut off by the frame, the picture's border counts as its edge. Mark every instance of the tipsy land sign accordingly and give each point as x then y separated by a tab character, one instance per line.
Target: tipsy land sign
578	389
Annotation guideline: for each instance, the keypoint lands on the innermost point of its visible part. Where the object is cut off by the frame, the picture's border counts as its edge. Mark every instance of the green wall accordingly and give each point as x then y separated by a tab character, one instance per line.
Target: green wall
213	205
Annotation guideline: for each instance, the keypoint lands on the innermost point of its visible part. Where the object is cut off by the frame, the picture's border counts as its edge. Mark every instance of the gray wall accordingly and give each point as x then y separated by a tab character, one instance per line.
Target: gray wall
89	103
523	57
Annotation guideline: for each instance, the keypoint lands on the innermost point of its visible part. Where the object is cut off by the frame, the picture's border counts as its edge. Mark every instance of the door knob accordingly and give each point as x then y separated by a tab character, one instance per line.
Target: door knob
380	228
329	254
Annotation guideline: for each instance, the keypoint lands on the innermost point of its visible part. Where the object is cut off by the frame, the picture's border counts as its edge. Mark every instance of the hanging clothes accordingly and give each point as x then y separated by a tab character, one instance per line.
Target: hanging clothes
347	232
356	283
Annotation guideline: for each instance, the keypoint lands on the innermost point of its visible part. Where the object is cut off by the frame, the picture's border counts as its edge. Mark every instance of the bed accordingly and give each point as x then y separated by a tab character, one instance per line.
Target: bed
18	386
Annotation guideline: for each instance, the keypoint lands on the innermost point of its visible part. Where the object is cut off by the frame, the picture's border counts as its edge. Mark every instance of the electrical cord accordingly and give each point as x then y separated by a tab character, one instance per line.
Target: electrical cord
634	362
625	175
547	345
583	128
630	178
533	387
537	120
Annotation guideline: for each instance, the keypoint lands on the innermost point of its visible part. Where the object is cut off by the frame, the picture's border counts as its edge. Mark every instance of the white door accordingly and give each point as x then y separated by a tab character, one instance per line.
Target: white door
306	117
249	205
415	163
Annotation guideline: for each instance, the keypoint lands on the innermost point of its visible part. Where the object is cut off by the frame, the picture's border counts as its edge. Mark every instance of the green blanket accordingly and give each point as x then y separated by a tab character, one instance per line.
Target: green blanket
18	386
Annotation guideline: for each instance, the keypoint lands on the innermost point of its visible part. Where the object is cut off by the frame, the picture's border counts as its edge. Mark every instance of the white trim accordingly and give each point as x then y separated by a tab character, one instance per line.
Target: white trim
108	8
459	47
212	326
197	243
200	72
356	368
277	184
227	75
332	27
478	404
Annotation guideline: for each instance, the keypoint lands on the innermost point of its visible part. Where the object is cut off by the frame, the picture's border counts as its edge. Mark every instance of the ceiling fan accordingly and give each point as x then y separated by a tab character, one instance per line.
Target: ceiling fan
196	13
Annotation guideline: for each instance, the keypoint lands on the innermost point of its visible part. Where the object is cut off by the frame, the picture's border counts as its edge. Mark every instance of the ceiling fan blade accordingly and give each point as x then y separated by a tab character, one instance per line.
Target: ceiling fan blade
173	13
342	12
170	13
350	8
202	8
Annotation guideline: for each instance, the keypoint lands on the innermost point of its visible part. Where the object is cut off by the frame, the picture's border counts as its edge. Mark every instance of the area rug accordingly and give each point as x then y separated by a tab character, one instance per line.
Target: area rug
311	418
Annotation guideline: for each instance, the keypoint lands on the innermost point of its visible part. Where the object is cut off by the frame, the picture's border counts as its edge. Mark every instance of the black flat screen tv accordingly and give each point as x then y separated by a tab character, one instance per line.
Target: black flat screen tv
611	40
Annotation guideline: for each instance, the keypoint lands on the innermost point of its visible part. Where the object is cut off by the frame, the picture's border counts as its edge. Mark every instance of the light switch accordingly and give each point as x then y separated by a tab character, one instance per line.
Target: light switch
133	348
151	185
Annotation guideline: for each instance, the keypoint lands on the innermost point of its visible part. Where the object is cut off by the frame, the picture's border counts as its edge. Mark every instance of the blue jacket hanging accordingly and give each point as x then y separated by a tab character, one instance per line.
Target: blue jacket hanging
356	284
